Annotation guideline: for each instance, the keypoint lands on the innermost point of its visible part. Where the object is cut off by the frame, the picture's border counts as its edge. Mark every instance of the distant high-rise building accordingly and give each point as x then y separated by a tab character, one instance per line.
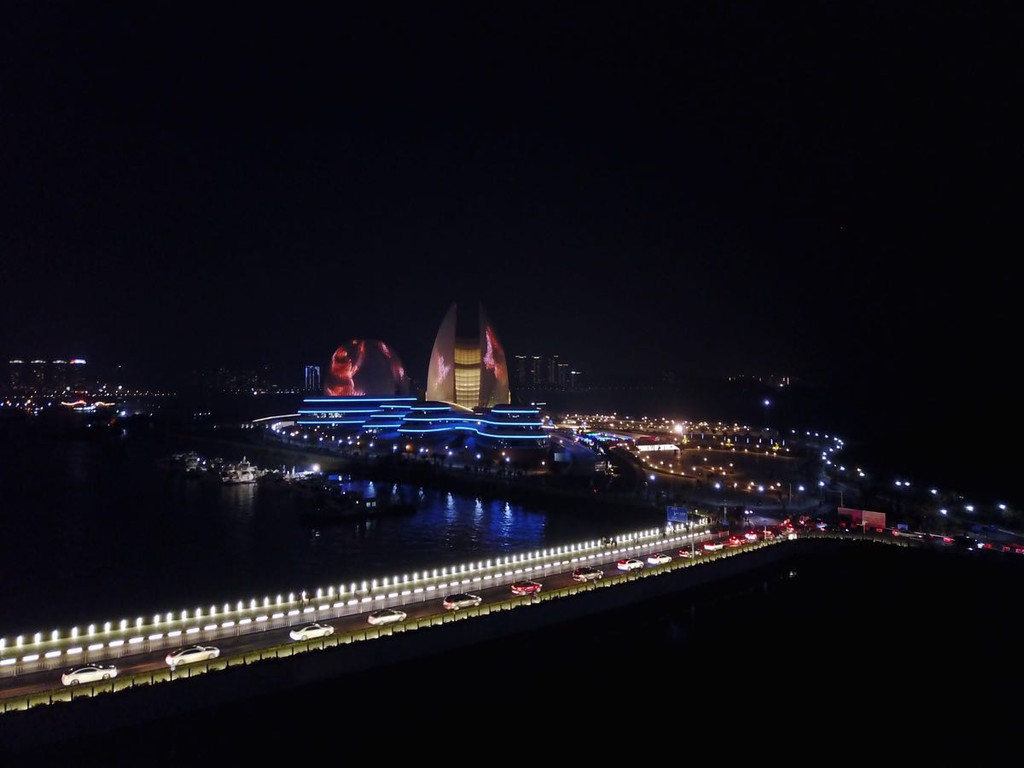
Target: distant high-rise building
57	380
312	379
518	371
536	364
16	374
562	380
76	373
233	380
37	376
543	372
467	364
552	372
44	376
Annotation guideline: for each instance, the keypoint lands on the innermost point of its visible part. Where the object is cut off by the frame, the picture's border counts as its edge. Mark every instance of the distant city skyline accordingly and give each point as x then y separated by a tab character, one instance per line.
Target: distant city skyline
527	372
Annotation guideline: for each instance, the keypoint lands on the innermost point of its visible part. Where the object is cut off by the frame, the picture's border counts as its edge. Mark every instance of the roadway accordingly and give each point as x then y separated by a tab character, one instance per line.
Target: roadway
36	669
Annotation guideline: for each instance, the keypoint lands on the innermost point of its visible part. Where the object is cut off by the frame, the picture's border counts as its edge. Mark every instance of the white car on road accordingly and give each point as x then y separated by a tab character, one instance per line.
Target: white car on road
386	616
311	631
461	600
88	673
587	573
191	655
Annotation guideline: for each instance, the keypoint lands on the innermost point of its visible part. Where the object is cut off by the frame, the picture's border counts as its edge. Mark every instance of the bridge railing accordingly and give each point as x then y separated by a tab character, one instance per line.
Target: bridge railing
288	650
110	640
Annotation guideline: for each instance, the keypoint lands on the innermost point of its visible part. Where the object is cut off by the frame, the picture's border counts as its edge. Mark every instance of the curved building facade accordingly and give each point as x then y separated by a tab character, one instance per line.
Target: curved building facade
467	363
437	423
365	367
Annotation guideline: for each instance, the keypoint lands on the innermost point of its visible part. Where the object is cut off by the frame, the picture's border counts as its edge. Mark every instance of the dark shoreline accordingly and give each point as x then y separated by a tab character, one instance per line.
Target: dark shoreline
546	492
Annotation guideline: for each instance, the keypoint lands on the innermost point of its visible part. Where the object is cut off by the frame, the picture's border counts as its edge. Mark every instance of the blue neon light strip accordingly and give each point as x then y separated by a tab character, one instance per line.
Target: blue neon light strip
402	415
338	410
323	422
435	419
512	423
359	399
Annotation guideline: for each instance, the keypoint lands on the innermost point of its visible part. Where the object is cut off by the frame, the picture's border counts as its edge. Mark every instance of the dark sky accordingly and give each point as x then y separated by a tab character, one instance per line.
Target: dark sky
816	189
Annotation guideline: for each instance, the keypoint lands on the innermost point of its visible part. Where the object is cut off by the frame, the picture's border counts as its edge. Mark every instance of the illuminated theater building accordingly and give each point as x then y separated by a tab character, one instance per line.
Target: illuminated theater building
364	367
467	405
354	414
431	417
508	426
467	364
504	426
427	423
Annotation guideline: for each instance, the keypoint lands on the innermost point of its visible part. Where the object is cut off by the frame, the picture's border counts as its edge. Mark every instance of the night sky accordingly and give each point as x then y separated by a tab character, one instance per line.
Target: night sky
820	189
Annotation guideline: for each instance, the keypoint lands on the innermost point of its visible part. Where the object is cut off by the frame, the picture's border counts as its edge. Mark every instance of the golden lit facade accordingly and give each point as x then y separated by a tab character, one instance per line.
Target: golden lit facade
468	369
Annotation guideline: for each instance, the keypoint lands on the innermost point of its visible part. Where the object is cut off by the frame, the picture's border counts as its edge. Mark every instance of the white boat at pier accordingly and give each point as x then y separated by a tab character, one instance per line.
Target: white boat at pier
243	472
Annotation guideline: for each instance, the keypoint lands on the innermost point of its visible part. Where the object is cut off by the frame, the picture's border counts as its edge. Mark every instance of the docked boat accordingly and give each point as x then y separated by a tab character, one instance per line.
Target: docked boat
287	479
241	473
190	463
193	463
